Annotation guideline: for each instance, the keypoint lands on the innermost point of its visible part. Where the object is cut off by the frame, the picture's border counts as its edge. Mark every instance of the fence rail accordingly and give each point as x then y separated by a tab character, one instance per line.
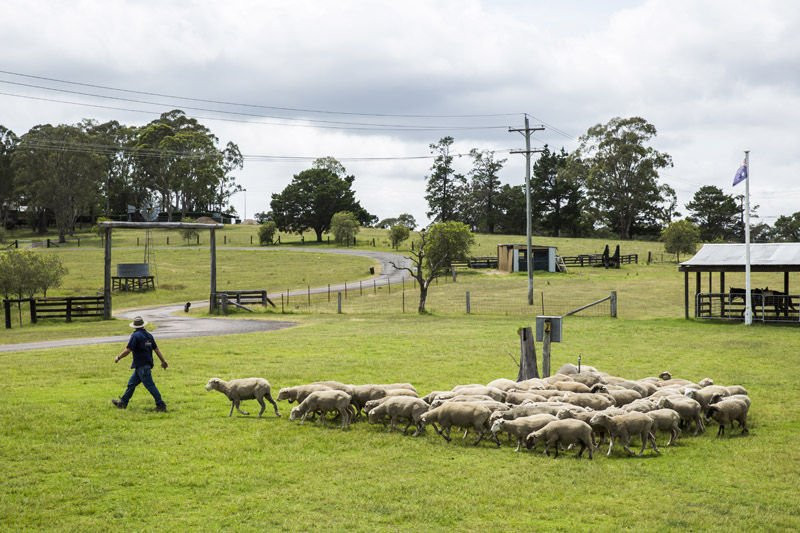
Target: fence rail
583	260
766	308
67	307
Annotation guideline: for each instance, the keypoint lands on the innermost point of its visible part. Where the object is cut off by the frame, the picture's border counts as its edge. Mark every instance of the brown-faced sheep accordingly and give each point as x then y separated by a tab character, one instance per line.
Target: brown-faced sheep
666	420
244	389
460	414
324	402
562	433
726	412
400	408
623	427
521	427
688	409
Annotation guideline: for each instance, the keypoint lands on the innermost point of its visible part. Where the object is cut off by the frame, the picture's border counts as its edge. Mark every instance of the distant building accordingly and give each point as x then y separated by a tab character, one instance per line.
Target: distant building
513	257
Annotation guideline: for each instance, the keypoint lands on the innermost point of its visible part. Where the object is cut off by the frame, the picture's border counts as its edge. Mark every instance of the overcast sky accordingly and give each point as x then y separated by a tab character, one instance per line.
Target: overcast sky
714	77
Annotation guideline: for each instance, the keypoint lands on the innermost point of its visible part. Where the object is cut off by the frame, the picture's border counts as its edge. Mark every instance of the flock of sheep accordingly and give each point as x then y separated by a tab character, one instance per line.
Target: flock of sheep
571	408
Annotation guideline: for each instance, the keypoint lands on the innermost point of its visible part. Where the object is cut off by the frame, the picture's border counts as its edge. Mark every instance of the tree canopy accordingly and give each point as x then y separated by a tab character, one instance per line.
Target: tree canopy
622	179
681	237
445	188
312	198
715	213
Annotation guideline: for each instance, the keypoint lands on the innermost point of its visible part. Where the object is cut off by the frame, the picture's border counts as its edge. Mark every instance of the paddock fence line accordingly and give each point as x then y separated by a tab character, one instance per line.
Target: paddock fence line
368	297
781	308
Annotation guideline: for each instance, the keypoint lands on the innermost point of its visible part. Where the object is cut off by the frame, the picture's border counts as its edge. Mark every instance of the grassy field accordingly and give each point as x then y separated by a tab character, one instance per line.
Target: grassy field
72	461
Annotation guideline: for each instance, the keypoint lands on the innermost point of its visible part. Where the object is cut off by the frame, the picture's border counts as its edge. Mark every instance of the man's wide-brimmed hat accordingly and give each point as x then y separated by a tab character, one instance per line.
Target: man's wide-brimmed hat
138	322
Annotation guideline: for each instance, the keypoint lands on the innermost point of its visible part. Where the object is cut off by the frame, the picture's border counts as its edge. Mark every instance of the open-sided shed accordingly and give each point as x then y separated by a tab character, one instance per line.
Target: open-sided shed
768	305
511	257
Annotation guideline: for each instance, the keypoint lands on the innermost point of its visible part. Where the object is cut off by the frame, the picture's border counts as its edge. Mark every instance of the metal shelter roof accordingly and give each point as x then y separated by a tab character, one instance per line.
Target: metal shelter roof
772	257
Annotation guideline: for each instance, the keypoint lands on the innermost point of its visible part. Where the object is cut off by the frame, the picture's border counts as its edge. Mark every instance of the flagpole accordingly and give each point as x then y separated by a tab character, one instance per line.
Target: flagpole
748	311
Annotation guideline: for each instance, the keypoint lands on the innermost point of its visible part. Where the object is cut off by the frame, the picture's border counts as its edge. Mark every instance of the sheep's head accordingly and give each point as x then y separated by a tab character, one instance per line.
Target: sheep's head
295	413
665	375
706	382
213	384
530	440
372	417
565	413
599	420
497	425
716	398
599	387
283	394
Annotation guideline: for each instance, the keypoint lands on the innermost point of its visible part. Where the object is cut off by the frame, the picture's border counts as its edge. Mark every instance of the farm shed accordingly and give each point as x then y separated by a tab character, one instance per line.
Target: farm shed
769	305
512	257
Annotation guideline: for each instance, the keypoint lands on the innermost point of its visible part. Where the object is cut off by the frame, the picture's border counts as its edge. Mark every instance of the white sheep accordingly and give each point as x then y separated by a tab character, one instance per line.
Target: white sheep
562	433
623	427
460	414
400	407
521	427
688	409
727	411
244	389
666	420
324	402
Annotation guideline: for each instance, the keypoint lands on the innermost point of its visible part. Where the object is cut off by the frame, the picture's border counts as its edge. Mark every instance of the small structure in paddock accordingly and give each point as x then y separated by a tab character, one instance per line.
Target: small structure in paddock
133	277
110	225
512	258
728	303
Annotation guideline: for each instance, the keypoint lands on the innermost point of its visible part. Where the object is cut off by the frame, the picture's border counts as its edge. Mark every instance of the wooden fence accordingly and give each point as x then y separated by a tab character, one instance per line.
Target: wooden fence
67	307
727	306
596	259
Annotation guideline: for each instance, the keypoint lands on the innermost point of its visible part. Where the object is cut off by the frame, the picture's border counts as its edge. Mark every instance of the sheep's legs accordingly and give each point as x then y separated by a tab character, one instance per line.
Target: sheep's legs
652	437
610	444
236	403
231	413
263	406
480	438
274	405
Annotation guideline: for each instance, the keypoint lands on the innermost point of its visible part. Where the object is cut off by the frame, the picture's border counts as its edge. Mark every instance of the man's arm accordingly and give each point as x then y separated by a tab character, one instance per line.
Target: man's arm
164	364
124	353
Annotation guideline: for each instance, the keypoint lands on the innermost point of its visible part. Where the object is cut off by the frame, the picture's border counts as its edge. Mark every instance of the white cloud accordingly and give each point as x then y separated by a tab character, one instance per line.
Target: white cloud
715	77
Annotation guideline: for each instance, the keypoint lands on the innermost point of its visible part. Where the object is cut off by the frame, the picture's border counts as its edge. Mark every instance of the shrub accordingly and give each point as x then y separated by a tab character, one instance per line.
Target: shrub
680	237
344	226
189	234
397	234
266	232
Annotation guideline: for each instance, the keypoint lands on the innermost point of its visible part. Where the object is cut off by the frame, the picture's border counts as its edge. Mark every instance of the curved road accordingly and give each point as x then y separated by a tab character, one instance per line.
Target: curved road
173	324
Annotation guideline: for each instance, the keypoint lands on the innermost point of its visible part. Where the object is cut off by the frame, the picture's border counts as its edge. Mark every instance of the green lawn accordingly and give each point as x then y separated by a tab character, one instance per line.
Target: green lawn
71	461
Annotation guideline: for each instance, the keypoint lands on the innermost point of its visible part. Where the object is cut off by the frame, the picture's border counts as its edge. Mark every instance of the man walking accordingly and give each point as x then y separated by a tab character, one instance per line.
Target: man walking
142	344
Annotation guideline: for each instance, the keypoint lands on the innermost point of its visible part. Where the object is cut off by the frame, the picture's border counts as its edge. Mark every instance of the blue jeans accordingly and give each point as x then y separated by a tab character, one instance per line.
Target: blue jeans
144	376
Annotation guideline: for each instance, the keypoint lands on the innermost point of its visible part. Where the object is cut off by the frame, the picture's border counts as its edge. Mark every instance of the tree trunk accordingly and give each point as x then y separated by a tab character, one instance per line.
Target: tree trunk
318	231
423	296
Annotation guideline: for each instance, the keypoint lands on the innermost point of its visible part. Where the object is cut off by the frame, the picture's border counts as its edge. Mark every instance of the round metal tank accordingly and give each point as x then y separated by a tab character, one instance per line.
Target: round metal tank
133	270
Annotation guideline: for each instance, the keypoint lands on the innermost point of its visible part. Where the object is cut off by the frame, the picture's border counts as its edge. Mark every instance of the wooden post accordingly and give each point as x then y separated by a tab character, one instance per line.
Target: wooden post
7	313
404	301
360	289
345	290
613	302
527	359
224	239
468	303
107	277
786	283
32	307
339	302
281	303
454	274
223	300
251	239
329	292
137	241
212	243
649	257
309	296
69	309
697	285
548	325
198	239
374	287
167	240
389	284
722	294
264	298
686	295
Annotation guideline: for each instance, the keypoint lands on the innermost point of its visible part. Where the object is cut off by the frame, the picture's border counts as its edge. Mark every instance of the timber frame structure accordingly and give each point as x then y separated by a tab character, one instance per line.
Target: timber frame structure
723	258
110	225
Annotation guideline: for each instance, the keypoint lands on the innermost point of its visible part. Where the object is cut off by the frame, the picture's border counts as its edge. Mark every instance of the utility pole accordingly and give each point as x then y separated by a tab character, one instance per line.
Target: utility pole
527	131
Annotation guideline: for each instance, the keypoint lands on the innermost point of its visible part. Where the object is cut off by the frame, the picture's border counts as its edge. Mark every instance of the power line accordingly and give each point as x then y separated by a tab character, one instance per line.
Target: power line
240	113
241	121
107	149
260	106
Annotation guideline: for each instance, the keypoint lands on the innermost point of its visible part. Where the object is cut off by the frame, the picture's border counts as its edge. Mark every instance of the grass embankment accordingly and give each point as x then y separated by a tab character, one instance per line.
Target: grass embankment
72	461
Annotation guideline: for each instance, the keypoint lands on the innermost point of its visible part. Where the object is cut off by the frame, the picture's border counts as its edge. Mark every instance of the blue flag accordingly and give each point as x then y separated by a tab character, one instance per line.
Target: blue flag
741	175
